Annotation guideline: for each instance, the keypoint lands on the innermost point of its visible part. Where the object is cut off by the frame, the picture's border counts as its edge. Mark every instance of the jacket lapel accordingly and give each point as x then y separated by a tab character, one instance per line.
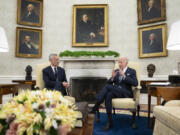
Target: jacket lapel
51	71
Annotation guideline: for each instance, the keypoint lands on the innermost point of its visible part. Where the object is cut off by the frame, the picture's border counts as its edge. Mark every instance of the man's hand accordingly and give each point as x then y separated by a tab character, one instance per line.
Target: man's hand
65	84
63	130
92	35
122	73
114	74
12	129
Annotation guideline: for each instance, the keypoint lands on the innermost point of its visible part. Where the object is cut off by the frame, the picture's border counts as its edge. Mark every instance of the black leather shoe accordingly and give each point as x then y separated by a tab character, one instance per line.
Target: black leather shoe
107	126
92	111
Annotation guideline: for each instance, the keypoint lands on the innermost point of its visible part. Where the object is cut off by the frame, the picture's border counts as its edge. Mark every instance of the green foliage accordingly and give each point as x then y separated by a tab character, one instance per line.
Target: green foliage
53	131
48	103
5	126
88	53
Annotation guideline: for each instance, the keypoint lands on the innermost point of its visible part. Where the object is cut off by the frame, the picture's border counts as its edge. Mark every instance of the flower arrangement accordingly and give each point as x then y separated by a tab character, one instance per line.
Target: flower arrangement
37	113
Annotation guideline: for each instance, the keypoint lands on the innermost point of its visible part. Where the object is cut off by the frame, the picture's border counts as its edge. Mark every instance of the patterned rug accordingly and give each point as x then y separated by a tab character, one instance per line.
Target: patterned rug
122	124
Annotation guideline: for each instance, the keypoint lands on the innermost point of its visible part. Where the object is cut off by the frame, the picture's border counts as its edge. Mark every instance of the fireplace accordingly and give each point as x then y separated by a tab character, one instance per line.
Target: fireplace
86	88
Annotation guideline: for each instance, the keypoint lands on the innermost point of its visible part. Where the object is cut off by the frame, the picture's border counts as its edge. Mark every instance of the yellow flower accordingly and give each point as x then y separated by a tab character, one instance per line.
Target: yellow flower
24	105
1	127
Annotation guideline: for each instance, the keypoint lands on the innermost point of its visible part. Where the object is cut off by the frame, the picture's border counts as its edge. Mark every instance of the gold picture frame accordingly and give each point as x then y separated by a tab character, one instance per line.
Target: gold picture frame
30	12
150	11
90	25
152	41
28	43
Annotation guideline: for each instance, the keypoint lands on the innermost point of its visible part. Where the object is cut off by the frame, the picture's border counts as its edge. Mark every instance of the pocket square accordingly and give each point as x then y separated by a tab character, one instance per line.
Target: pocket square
128	74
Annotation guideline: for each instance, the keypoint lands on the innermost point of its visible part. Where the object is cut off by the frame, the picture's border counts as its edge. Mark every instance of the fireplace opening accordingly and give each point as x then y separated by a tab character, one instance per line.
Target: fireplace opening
86	88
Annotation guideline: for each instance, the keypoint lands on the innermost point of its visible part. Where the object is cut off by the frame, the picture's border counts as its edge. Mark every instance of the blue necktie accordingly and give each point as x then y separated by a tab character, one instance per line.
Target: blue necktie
120	78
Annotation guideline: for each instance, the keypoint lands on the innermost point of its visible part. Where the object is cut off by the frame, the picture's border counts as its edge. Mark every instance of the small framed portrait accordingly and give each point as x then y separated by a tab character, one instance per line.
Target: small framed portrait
28	43
30	12
90	25
152	41
150	11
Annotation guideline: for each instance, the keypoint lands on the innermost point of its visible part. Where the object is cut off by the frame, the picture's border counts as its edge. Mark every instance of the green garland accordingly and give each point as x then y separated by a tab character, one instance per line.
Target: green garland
88	53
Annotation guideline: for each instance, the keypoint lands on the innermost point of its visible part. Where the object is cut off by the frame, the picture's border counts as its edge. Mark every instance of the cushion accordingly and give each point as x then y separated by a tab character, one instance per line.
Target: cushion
72	99
170	116
173	103
83	108
123	103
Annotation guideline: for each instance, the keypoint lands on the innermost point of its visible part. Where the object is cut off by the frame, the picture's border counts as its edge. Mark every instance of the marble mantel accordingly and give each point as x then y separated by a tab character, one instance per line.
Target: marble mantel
88	66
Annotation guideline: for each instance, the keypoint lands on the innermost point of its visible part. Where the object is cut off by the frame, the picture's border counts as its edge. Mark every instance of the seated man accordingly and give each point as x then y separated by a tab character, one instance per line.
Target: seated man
54	76
118	86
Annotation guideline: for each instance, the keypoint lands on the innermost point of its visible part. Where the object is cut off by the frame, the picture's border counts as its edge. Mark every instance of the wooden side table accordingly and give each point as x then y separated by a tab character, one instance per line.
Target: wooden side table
87	128
31	83
145	83
8	89
165	92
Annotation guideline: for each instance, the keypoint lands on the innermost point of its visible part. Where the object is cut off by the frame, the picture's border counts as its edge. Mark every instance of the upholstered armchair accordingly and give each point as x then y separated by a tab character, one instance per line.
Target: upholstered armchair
167	118
40	82
132	104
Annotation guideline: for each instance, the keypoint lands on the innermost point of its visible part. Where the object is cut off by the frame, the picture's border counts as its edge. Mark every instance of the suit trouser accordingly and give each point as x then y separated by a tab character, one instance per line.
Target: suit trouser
60	88
109	92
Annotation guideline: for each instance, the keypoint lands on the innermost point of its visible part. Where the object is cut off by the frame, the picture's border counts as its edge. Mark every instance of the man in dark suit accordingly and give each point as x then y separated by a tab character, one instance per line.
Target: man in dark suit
151	11
28	47
118	86
54	76
30	15
152	45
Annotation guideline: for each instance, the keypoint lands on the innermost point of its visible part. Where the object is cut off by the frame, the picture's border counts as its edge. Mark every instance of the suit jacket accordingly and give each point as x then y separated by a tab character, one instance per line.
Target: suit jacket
50	80
155	47
31	18
25	50
126	83
153	13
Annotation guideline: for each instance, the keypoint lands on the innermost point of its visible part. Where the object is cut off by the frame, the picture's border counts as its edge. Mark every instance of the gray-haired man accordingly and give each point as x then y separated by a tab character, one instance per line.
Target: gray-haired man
54	76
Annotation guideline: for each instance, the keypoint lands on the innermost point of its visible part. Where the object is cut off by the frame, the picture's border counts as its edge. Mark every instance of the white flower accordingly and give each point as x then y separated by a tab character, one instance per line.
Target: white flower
49	95
55	125
35	105
49	112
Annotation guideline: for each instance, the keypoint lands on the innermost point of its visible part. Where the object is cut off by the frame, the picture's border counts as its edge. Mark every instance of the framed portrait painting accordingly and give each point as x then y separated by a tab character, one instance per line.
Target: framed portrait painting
90	25
150	11
28	42
152	41
30	12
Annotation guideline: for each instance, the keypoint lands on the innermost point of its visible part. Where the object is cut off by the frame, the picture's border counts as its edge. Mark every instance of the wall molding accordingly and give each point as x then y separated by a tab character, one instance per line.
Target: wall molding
9	78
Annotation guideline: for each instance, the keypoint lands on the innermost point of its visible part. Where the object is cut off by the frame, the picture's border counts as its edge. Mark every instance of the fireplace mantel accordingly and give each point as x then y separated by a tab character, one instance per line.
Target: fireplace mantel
88	66
66	59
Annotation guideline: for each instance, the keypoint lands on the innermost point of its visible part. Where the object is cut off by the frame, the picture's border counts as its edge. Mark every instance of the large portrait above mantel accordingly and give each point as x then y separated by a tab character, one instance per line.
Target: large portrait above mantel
150	11
90	25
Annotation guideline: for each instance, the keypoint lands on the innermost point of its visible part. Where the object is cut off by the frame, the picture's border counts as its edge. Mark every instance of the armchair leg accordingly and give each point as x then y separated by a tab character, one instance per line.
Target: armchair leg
138	109
114	112
133	119
98	116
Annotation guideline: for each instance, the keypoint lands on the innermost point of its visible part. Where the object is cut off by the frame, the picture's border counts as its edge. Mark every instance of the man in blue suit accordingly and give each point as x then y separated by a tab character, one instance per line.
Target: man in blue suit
118	86
54	76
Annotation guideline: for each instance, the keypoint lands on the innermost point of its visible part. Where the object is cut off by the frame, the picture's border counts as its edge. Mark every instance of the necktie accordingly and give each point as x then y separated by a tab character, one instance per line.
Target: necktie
55	72
120	78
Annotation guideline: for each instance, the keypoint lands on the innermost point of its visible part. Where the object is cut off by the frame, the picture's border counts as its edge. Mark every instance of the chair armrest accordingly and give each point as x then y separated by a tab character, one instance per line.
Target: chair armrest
136	93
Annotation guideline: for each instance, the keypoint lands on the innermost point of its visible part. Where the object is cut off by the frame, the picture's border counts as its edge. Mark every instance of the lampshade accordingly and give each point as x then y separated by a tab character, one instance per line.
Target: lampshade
3	41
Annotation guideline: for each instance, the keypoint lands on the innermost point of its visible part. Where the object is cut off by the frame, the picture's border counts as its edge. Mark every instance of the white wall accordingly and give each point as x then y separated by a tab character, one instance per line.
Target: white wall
57	31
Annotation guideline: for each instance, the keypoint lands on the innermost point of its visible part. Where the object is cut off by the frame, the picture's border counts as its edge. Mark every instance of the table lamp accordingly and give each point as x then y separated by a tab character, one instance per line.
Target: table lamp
3	41
174	44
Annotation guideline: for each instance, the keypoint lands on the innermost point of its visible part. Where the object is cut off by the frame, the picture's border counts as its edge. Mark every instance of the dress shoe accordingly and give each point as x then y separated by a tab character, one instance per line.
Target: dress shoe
107	126
92	111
